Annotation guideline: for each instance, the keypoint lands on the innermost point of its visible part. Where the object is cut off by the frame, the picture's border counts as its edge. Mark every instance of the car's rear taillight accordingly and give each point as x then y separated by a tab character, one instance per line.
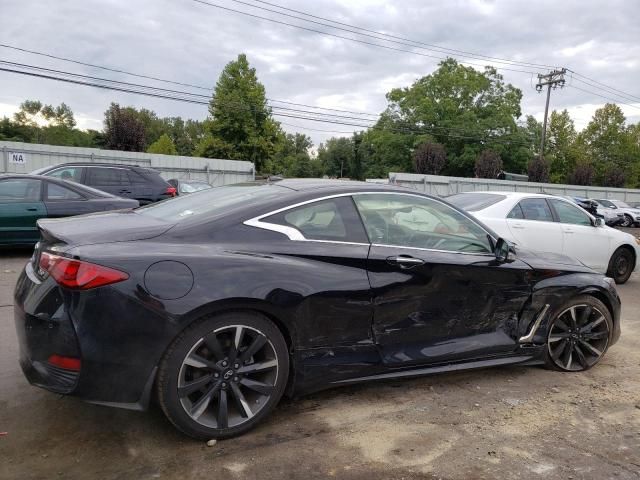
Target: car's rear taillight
77	274
171	191
68	363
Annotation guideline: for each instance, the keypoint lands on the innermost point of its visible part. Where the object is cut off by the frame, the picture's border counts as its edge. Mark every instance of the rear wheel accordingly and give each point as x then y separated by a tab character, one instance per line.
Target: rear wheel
223	375
621	265
578	335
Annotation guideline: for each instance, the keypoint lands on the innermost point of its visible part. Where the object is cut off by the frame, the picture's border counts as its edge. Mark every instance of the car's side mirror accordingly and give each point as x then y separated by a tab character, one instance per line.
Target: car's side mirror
598	222
501	250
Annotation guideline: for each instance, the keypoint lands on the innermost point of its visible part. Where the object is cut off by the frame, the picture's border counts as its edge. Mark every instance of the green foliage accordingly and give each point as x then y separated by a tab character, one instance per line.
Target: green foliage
241	124
163	145
463	109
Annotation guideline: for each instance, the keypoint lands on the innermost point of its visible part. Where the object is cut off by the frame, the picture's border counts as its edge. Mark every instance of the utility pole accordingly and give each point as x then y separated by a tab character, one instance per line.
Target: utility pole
553	79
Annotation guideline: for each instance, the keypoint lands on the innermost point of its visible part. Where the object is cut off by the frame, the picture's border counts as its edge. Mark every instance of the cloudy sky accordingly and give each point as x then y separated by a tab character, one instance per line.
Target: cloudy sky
189	42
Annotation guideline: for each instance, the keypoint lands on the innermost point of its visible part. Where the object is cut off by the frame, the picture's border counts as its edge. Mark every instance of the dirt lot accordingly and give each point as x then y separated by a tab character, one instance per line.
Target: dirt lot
514	422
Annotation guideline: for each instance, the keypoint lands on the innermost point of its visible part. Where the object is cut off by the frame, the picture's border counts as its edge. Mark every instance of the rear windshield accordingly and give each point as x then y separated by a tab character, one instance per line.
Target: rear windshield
472	202
211	203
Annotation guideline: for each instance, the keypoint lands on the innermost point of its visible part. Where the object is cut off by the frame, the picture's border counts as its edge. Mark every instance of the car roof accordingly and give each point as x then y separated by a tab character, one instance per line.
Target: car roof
518	194
69	184
96	164
307	184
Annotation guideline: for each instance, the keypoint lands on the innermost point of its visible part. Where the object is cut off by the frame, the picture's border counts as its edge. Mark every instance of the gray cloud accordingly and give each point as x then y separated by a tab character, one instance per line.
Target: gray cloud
189	42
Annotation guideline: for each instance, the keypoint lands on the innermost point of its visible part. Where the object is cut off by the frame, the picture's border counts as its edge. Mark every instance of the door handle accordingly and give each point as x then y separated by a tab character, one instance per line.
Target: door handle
568	230
32	209
518	226
405	261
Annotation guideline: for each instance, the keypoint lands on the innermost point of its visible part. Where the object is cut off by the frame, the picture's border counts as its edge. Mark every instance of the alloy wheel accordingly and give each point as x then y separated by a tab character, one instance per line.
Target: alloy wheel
578	338
627	221
228	376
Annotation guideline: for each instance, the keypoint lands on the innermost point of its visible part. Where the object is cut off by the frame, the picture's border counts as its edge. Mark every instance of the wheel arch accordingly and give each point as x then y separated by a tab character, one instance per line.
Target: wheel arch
227	306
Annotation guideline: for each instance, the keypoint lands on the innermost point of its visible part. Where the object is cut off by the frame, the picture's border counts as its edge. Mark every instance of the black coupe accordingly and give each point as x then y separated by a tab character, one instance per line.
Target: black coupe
221	301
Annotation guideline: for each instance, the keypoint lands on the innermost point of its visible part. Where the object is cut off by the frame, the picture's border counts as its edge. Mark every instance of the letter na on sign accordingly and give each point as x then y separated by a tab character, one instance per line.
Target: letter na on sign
17	157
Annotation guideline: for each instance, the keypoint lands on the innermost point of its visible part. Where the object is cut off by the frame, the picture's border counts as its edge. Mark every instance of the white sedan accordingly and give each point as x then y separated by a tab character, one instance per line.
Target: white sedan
552	224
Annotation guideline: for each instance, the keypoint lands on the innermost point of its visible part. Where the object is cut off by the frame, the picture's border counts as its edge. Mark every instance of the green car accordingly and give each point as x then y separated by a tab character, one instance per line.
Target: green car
26	198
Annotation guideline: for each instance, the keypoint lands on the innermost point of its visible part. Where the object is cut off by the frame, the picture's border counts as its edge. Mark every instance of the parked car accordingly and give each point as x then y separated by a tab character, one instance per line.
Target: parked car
129	181
594	208
184	187
293	286
631	215
26	198
551	224
611	216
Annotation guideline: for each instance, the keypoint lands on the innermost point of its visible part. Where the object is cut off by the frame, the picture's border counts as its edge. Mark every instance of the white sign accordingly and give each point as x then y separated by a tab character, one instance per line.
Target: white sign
18	157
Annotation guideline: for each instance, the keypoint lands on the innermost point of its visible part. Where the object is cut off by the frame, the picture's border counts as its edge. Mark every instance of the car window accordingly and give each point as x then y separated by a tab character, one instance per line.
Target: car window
606	203
419	222
73	174
58	192
19	190
567	213
536	209
473	202
620	204
332	219
103	176
516	212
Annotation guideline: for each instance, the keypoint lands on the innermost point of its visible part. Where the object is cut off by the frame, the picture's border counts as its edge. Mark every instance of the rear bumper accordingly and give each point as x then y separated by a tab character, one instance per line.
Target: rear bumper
89	326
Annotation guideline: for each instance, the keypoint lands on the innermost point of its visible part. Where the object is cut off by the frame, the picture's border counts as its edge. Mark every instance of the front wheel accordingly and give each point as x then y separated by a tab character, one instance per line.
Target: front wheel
223	375
578	335
621	265
627	221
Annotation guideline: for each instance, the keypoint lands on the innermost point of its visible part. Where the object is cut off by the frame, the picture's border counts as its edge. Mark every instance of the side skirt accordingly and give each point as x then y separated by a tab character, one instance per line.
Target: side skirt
522	359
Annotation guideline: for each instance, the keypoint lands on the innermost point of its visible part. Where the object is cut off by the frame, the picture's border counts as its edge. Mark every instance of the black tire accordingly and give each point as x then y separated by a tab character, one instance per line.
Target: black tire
621	265
212	379
627	222
576	342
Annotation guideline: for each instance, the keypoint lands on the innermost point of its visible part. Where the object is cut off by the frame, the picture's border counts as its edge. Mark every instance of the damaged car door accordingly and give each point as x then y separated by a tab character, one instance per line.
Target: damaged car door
439	294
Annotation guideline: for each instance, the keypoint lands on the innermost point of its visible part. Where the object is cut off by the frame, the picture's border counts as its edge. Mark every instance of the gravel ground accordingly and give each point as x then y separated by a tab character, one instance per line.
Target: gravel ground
511	422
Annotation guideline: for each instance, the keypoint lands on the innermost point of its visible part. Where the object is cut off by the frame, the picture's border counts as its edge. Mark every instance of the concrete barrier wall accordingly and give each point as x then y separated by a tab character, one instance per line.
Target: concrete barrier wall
442	186
18	157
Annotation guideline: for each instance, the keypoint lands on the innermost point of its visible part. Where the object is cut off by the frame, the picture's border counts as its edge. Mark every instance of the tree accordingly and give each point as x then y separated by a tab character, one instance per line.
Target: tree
466	111
538	170
163	145
123	130
582	174
429	158
614	177
561	142
241	125
488	164
604	140
336	156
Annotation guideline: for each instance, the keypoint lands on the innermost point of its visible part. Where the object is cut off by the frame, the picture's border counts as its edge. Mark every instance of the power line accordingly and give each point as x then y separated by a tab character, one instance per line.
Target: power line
138	88
441	48
605	97
610	90
311	116
364	42
381	36
209	89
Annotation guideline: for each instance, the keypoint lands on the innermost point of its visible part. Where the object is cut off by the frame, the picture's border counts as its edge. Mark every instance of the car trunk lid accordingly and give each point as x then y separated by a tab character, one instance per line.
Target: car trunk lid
109	227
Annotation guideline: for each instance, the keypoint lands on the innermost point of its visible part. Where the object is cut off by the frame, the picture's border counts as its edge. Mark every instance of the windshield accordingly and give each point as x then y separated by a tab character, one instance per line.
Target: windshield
211	203
191	187
473	202
620	203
